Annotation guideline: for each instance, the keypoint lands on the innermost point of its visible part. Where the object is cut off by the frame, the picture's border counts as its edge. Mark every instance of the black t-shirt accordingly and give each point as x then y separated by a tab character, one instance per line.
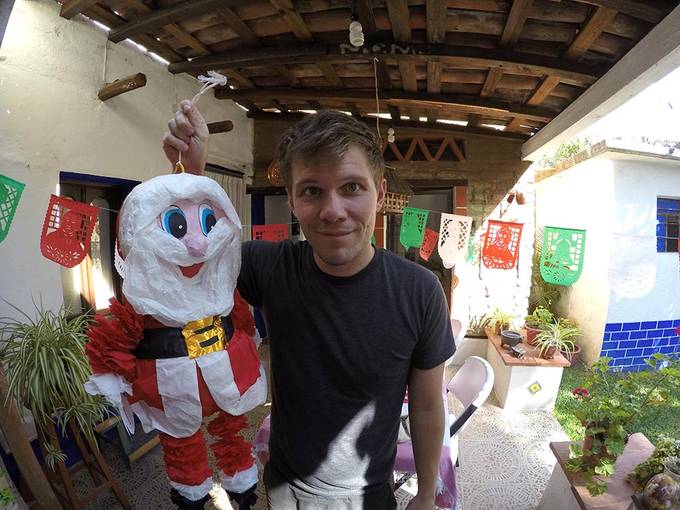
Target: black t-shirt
341	351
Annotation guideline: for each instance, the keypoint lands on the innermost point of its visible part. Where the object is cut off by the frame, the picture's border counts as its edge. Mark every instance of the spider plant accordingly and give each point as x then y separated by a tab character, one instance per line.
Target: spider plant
557	336
499	320
46	366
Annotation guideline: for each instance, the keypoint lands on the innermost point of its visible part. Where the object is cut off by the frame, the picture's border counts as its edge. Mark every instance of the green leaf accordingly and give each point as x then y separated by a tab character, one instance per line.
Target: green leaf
596	487
605	468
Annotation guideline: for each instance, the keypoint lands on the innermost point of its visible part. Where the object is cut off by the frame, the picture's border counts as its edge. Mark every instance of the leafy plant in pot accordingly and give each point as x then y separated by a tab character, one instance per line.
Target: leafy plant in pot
572	353
556	337
539	320
607	404
499	320
47	368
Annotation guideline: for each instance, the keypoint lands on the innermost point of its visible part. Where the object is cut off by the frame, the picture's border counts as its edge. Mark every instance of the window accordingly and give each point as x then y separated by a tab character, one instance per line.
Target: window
667	226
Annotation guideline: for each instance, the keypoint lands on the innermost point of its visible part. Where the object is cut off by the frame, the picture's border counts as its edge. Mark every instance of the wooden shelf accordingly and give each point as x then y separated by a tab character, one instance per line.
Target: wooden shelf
530	359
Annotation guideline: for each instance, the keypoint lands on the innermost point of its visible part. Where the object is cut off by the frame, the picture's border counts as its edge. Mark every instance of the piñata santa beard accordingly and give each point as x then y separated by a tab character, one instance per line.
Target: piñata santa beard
154	283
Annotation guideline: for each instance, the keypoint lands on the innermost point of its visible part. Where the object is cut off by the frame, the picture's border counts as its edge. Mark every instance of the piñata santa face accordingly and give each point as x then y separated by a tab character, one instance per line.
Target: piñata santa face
180	237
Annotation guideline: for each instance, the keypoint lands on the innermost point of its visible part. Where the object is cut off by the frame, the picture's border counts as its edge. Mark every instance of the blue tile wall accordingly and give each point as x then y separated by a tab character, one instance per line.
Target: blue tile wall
630	343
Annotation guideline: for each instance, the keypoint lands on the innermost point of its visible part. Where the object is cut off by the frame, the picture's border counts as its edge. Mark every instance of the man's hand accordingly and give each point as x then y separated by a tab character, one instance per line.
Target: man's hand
421	502
188	134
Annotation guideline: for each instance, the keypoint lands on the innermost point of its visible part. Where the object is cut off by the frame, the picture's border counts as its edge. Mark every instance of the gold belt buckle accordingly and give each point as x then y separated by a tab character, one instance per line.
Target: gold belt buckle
204	336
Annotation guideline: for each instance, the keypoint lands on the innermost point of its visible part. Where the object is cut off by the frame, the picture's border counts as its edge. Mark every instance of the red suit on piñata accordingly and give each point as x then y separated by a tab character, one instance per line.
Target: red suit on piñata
182	346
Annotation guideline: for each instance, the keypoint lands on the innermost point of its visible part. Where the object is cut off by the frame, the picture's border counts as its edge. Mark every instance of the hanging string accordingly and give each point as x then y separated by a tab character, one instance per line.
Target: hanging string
377	102
106	47
212	80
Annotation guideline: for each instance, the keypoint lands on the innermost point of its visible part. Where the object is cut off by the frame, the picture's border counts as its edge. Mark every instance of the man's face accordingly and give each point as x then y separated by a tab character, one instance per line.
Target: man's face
335	202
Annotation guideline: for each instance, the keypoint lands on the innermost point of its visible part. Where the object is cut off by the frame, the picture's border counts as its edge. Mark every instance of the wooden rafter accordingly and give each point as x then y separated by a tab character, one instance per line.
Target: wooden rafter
543	90
600	19
401	99
436	20
366	16
434	77
240	80
474	120
514	125
408	76
238	25
111	20
72	7
513	26
330	74
292	17
400	19
287	74
188	39
642	10
394	112
353	109
429	127
492	78
159	17
453	56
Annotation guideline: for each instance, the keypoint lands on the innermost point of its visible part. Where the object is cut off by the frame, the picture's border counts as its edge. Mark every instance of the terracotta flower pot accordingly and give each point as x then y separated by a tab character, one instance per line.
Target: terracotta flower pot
572	356
531	334
549	352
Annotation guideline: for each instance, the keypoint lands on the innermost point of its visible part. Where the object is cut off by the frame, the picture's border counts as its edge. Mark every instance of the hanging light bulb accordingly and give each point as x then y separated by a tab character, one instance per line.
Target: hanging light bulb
390	135
356	34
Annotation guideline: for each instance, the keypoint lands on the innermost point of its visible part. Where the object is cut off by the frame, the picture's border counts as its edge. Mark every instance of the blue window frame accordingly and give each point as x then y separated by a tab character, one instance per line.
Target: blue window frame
668	224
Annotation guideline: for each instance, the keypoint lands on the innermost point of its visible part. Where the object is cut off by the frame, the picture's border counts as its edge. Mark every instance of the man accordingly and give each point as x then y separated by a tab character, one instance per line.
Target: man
349	325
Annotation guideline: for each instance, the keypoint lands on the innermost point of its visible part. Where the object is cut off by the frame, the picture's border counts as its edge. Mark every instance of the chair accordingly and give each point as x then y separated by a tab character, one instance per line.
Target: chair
471	385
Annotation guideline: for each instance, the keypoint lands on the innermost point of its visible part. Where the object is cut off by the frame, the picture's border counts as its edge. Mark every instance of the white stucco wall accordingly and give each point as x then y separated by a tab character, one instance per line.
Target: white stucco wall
583	197
648	283
51	121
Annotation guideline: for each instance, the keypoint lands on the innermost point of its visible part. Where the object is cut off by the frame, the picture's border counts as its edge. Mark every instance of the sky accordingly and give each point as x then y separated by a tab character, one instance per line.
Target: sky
654	113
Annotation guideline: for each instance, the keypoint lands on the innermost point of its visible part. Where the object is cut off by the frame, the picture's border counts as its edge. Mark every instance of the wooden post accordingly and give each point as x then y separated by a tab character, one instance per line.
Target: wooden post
121	86
19	445
222	126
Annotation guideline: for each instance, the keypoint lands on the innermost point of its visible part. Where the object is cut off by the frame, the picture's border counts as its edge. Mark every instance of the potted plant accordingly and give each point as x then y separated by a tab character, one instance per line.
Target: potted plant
499	320
573	353
654	465
47	368
606	406
539	320
556	336
477	325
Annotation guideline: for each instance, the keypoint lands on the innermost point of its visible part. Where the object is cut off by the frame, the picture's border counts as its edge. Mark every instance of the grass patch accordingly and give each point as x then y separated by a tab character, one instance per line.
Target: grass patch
654	422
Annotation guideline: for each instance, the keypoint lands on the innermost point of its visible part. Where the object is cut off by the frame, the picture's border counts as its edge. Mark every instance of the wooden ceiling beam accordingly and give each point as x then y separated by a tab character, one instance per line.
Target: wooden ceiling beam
430	127
408	76
641	10
514	23
543	90
293	19
160	17
514	125
451	56
240	80
492	78
473	104
592	29
366	16
111	20
185	37
353	109
400	19
474	120
232	20
70	8
283	70
436	20
330	74
434	77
